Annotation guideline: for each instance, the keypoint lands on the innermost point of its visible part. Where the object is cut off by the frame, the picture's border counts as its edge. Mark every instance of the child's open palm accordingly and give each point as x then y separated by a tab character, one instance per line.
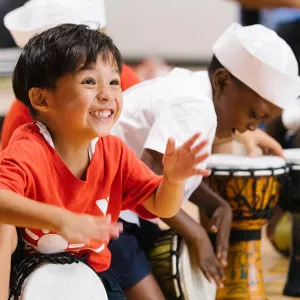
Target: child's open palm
180	164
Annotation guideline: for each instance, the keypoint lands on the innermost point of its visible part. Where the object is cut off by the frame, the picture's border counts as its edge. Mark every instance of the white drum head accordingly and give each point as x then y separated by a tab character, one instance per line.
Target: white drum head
293	157
243	164
193	282
63	282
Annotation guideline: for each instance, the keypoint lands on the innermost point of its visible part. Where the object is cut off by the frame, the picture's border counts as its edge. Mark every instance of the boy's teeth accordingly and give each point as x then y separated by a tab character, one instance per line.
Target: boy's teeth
101	113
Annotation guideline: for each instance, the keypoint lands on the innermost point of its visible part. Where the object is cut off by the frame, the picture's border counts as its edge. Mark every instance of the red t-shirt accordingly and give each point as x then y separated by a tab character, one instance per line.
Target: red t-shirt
116	180
18	113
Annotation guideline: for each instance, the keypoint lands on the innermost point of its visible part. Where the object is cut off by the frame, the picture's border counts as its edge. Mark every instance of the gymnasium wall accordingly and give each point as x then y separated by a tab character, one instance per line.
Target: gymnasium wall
179	30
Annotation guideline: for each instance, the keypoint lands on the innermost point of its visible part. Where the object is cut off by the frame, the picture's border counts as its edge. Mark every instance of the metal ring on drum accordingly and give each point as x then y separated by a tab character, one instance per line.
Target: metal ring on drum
176	270
251	186
74	281
290	201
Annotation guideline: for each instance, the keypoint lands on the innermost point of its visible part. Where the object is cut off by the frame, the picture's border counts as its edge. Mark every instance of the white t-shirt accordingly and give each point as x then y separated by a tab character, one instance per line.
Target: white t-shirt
291	116
177	105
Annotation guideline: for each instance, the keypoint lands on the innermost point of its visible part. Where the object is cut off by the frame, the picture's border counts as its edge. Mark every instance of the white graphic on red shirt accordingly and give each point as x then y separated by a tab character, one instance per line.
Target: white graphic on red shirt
44	241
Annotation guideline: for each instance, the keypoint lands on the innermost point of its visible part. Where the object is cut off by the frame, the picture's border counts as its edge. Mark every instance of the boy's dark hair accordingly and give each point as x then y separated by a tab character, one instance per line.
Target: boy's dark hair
214	65
56	52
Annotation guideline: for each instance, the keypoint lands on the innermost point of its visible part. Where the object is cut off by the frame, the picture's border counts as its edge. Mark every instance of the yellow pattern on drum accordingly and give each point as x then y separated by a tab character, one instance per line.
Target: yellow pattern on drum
246	195
251	198
244	278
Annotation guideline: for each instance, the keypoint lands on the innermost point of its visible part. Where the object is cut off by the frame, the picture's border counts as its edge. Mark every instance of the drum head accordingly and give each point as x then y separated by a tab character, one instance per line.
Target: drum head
194	284
293	157
223	164
76	281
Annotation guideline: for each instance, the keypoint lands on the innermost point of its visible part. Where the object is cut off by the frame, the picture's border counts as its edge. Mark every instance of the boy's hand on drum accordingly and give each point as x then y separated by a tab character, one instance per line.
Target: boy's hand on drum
252	140
81	228
180	163
206	258
221	224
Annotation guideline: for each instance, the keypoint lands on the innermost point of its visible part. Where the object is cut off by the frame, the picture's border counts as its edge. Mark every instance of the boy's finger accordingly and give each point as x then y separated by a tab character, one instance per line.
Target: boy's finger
204	173
189	143
215	223
216	274
170	147
206	273
199	147
199	159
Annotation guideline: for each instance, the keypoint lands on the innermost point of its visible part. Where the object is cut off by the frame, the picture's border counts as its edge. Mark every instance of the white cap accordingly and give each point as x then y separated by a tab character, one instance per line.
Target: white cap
36	16
262	60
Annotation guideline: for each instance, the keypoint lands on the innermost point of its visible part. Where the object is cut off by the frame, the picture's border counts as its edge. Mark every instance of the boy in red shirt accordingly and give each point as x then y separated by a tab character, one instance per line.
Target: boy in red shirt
64	179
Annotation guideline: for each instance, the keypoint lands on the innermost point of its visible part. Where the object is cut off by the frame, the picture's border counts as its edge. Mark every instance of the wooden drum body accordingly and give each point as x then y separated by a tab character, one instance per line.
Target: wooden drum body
251	186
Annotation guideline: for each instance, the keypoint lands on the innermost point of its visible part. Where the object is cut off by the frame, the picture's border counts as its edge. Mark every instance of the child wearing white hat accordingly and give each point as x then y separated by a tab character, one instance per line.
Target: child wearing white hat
251	78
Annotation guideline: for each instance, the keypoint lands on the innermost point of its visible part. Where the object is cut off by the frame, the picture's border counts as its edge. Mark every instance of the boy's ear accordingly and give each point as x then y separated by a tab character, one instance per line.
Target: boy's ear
38	99
220	80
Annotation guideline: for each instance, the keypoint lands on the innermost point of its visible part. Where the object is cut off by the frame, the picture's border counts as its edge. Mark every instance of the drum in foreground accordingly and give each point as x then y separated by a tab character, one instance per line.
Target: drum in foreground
251	186
75	281
176	271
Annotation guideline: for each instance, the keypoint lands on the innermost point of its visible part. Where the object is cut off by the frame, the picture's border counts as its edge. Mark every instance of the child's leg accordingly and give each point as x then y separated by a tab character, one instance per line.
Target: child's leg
132	268
8	244
146	289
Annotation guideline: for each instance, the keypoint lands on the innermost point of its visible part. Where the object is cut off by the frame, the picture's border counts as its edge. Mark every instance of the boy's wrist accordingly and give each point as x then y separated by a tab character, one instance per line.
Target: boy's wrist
167	179
59	218
196	234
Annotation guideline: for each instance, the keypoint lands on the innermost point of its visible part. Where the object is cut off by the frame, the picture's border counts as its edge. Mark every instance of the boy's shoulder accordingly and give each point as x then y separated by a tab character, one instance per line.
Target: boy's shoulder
26	142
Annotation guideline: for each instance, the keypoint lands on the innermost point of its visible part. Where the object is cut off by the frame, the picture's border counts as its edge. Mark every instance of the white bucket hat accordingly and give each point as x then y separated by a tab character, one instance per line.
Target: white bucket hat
262	60
36	16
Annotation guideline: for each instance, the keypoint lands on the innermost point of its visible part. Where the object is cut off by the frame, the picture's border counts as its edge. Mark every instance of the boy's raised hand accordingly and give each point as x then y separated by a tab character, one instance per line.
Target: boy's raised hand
180	163
81	228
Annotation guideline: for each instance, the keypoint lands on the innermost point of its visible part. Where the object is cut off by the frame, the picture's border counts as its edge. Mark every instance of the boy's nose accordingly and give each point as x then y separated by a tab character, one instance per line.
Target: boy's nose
105	95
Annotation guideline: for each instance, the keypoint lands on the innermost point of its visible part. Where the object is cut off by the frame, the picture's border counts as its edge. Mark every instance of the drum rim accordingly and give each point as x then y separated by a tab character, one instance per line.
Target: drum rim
276	165
292	161
248	172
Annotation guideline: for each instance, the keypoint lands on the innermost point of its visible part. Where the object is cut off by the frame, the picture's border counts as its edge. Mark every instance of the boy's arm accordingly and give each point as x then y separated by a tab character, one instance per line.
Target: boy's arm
8	244
179	164
23	212
214	206
192	231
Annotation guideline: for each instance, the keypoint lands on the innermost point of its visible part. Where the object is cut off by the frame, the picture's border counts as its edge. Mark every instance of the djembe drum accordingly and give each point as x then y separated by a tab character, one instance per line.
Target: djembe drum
290	201
176	271
63	278
251	186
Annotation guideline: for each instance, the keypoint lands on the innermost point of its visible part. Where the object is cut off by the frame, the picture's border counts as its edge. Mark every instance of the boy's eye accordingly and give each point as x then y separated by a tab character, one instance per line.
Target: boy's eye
89	81
253	115
115	82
